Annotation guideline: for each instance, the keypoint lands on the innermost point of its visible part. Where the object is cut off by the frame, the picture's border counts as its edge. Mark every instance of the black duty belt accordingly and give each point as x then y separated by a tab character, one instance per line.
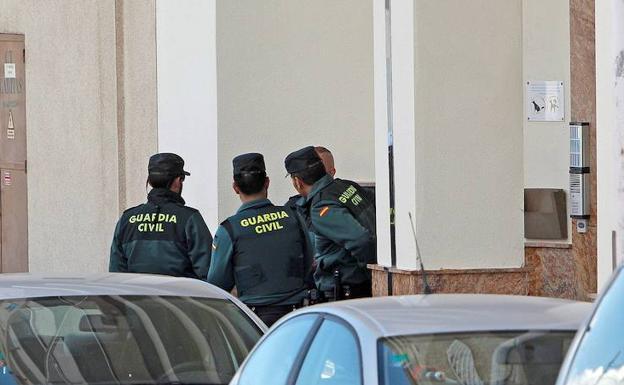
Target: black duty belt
349	292
256	308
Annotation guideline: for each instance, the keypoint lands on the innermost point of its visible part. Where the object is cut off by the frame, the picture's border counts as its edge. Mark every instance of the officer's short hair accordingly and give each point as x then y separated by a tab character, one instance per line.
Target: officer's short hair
311	174
250	183
161	180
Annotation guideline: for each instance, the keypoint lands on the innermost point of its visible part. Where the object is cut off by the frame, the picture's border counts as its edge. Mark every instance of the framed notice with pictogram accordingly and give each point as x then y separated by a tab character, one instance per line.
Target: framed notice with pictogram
545	101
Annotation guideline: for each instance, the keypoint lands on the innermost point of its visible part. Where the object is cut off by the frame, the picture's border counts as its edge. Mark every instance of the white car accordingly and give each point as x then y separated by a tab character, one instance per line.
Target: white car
432	339
120	329
597	354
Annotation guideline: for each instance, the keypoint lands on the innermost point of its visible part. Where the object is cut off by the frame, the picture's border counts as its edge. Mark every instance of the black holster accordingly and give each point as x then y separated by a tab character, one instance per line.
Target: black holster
313	296
337	285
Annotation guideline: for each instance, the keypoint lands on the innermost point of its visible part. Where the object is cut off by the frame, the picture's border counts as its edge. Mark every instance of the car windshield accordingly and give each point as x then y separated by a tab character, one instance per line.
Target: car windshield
483	358
599	355
122	340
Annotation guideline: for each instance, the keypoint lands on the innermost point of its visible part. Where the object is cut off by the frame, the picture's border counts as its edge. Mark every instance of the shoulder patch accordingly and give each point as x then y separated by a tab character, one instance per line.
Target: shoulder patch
323	211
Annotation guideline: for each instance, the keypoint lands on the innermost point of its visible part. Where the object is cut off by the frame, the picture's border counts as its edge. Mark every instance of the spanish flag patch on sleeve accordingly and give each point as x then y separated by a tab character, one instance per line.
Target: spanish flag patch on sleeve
324	211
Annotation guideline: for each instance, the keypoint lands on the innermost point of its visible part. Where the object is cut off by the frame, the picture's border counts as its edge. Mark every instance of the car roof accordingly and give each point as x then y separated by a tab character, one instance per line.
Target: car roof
51	285
445	313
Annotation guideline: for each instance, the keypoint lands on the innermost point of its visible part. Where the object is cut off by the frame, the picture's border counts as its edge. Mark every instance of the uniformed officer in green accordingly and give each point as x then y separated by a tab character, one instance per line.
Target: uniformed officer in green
162	236
328	161
342	216
263	249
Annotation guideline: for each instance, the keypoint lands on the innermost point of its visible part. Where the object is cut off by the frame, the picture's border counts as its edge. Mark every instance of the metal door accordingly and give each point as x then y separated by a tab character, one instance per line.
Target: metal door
13	186
14	221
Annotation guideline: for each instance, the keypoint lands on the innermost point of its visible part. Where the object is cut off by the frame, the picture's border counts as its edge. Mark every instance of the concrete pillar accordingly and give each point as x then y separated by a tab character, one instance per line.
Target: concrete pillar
400	104
187	96
457	151
382	173
403	110
618	70
450	170
583	109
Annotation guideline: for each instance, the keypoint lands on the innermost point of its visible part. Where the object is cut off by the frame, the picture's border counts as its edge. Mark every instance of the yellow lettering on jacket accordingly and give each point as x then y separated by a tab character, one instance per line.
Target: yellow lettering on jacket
347	194
151	227
267	227
153	217
263	218
152	222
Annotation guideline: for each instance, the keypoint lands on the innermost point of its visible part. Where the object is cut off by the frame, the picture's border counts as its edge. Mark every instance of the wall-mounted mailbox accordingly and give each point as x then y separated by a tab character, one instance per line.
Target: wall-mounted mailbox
579	170
545	214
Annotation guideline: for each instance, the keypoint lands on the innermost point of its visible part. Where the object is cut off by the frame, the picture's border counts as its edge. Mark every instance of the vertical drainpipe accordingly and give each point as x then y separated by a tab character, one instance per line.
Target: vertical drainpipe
390	141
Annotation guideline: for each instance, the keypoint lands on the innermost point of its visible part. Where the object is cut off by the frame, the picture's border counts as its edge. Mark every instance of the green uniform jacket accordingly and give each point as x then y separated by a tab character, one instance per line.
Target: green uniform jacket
340	241
293	204
227	266
162	236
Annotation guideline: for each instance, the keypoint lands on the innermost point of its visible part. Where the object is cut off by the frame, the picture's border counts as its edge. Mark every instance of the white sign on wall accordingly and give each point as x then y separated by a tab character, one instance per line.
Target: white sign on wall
545	101
9	70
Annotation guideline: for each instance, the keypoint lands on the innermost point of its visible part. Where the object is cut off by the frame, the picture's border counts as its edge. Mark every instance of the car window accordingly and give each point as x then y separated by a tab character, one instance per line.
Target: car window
333	357
273	359
599	359
122	340
523	357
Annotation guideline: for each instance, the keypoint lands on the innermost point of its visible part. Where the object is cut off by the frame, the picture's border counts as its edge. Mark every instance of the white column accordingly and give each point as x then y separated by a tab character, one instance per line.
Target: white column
382	188
187	96
616	68
610	133
404	130
607	140
402	47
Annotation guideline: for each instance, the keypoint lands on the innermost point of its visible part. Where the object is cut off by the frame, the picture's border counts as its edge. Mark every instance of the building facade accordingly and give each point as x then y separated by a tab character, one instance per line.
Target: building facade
427	99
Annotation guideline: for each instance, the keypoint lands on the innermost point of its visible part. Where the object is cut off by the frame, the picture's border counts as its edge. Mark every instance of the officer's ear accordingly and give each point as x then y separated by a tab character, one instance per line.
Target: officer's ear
176	185
297	183
235	188
267	182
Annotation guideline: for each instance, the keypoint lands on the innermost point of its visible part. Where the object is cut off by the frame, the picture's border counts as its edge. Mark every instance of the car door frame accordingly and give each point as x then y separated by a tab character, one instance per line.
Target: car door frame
305	346
311	332
307	343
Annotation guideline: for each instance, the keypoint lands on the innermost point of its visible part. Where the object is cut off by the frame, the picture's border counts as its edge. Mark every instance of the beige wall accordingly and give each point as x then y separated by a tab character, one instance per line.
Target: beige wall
546	48
469	153
72	110
293	73
136	95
